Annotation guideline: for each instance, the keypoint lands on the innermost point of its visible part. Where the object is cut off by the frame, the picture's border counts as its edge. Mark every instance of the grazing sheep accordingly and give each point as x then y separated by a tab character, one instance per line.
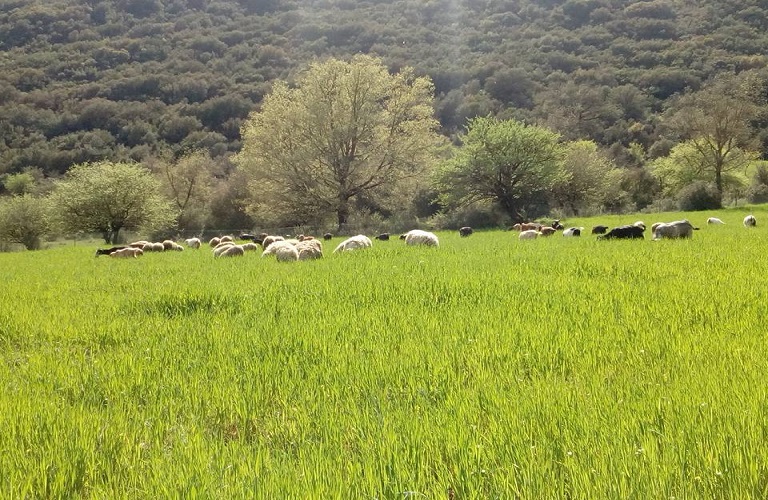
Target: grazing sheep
287	253
154	247
172	245
624	232
573	231
419	237
639	224
107	251
547	231
672	230
354	243
327	236
250	247
222	247
227	238
465	231
128	252
750	221
556	224
231	251
305	237
271	249
382	237
269	240
193	242
214	241
529	234
309	249
248	236
714	220
138	244
599	229
282	250
526	226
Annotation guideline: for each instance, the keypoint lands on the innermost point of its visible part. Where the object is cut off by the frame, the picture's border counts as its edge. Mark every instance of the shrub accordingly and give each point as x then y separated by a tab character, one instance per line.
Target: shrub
757	193
699	195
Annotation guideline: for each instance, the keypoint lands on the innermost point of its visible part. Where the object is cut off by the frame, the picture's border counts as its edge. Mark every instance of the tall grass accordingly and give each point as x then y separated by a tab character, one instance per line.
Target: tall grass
490	367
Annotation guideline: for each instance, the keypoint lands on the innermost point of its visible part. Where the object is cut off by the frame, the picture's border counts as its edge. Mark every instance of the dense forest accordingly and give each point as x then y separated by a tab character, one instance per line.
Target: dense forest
124	80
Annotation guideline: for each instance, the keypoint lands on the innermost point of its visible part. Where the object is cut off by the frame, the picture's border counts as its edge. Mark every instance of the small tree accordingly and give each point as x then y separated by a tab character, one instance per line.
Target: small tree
107	197
504	161
188	183
686	165
587	175
23	220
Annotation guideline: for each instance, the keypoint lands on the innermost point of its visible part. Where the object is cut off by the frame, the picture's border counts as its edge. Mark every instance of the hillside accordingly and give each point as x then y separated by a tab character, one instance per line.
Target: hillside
123	79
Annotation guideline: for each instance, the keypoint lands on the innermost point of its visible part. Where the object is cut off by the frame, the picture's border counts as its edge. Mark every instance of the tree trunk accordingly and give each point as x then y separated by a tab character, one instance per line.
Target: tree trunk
510	207
719	179
113	235
342	212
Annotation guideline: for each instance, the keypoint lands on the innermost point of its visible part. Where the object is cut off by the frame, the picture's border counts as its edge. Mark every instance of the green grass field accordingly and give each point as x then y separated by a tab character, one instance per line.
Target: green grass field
487	368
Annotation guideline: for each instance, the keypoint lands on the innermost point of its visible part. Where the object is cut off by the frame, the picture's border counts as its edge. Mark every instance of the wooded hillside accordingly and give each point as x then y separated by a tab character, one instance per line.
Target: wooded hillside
130	79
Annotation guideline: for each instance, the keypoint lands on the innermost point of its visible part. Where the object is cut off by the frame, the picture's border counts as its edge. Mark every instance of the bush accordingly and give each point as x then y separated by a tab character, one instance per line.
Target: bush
699	195
757	193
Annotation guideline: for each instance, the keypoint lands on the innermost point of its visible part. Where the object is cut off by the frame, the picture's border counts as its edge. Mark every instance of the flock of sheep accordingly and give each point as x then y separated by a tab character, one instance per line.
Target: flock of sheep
660	230
284	249
308	247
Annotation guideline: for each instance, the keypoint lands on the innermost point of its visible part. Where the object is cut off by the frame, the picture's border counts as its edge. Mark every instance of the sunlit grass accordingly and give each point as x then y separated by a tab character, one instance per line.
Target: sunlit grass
560	367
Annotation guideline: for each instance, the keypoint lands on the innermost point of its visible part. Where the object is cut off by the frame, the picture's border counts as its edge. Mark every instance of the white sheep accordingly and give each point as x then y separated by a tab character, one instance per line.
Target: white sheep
214	241
354	243
272	248
221	248
250	247
127	253
750	221
269	240
530	234
193	242
287	253
714	220
309	249
231	251
419	237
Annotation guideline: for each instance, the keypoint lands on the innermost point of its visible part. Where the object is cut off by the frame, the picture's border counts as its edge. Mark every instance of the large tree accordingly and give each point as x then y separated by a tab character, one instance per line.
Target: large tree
715	123
23	220
106	197
504	161
345	130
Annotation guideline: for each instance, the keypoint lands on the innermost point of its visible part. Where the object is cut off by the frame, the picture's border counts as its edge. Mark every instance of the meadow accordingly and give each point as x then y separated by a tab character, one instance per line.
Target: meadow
486	368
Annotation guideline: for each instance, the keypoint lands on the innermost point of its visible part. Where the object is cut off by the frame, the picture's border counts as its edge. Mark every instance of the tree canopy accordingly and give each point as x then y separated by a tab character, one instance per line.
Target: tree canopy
23	220
504	161
106	197
346	130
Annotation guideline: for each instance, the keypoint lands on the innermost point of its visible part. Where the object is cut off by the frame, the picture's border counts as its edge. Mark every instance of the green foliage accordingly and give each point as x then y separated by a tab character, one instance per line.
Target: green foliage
506	162
588	178
699	195
106	197
148	62
18	184
345	131
23	220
